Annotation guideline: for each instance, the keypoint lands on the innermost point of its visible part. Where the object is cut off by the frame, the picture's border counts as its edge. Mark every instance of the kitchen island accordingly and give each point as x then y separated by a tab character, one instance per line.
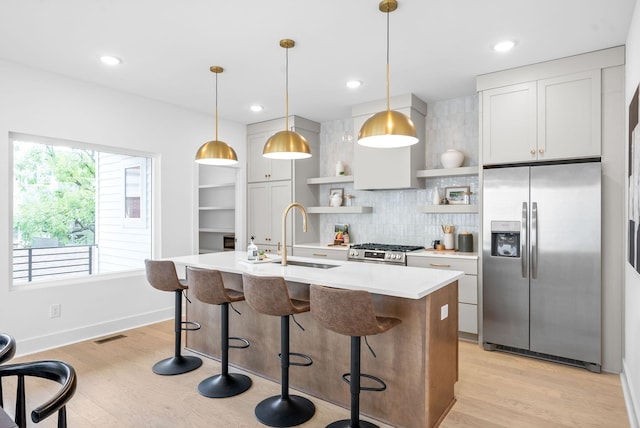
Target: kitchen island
418	359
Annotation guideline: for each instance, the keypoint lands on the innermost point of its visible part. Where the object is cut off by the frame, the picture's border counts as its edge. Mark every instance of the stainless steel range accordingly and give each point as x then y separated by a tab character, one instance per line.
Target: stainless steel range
381	253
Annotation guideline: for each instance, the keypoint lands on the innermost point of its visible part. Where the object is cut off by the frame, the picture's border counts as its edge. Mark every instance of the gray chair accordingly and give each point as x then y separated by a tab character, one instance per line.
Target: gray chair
162	276
351	313
208	287
54	370
269	295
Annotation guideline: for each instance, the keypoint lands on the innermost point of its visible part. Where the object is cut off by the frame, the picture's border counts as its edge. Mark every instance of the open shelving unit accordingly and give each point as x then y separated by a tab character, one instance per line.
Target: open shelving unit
216	207
448	172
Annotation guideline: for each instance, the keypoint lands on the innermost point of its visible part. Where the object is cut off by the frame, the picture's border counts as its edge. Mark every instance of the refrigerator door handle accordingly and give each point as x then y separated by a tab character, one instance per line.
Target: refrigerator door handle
523	240
534	240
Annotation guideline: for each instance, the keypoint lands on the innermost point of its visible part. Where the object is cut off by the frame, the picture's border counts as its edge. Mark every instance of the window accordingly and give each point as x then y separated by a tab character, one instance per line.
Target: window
78	209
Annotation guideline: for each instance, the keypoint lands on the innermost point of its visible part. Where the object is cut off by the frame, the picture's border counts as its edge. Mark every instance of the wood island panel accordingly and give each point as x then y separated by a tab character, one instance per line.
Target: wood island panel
418	359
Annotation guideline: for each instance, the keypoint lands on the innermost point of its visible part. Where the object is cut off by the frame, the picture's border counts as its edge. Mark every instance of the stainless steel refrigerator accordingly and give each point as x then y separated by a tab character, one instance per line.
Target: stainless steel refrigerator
541	262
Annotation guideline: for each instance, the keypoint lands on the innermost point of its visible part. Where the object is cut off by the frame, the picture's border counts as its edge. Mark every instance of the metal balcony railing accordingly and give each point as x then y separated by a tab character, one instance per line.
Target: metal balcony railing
52	262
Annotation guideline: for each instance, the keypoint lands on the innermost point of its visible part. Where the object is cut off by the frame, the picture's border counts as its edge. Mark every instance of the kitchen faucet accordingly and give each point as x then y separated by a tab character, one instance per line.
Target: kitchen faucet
284	228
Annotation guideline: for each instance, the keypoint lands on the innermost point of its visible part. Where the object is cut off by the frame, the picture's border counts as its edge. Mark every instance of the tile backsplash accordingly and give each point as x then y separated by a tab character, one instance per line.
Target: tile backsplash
395	218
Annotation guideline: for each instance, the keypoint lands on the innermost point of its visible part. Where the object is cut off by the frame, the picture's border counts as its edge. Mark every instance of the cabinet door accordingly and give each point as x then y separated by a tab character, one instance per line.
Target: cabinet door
280	195
257	165
259	213
260	168
569	116
509	124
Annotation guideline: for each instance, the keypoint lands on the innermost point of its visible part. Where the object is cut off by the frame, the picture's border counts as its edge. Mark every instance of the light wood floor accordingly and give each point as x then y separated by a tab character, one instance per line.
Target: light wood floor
116	388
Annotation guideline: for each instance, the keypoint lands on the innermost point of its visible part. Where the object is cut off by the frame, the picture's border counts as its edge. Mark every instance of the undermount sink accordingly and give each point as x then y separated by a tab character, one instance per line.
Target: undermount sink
308	264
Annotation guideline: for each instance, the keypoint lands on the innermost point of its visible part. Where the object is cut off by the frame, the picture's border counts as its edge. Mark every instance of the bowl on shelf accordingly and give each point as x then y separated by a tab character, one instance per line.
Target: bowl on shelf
452	158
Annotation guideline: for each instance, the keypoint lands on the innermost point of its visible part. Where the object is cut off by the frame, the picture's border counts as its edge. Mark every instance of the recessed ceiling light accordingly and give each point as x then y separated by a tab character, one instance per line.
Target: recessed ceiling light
353	84
110	60
503	46
256	108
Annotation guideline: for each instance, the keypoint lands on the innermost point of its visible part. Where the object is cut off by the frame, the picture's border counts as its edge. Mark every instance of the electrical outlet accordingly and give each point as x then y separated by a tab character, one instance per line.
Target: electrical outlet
55	310
444	312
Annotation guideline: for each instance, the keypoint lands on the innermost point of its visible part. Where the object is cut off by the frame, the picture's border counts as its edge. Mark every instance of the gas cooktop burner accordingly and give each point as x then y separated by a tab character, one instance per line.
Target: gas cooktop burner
386	247
381	253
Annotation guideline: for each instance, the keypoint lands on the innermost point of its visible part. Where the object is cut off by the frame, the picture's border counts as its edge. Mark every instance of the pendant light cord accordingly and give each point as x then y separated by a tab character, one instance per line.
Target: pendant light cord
286	90
388	83
216	106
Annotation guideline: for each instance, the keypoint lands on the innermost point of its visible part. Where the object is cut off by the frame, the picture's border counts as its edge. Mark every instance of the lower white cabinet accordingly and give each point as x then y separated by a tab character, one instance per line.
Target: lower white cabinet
266	202
467	285
320	253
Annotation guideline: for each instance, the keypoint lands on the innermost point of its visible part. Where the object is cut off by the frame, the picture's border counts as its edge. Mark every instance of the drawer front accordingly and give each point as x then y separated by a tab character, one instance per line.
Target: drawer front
468	266
318	253
468	289
468	318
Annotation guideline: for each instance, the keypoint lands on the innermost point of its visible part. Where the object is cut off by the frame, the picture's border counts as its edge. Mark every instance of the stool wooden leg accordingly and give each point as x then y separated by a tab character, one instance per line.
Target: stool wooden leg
225	384
177	364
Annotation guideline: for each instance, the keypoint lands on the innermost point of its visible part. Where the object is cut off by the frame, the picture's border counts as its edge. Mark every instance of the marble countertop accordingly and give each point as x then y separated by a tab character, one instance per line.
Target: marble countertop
398	281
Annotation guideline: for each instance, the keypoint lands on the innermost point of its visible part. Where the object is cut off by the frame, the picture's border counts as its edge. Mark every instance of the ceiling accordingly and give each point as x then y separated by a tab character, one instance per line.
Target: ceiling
167	47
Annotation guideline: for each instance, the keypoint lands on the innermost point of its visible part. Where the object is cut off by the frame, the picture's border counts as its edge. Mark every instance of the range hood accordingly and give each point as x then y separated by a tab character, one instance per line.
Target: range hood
380	169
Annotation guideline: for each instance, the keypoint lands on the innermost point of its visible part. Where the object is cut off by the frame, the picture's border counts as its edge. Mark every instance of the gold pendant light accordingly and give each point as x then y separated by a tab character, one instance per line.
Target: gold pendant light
286	144
388	129
216	152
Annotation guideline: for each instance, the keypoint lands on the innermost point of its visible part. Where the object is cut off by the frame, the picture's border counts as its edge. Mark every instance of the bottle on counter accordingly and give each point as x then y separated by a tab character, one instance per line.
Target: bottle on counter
252	250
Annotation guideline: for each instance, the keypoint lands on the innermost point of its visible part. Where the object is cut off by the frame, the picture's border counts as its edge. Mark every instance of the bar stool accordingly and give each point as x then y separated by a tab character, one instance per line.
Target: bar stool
269	295
162	275
208	287
351	313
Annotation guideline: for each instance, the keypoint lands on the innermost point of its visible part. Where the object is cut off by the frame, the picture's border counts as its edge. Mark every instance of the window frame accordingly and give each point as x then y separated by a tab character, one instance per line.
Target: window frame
153	160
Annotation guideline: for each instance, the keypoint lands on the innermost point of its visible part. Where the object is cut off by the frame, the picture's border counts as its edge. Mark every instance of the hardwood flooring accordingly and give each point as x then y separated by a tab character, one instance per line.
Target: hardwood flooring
116	388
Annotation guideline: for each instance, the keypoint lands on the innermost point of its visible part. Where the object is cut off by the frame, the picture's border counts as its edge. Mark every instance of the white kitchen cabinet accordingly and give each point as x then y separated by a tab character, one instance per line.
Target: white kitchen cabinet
260	168
321	253
274	184
266	203
467	285
556	115
216	206
569	112
509	124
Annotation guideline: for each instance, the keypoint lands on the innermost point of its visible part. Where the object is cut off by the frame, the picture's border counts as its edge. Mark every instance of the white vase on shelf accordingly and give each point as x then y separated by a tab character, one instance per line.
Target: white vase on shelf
436	196
452	158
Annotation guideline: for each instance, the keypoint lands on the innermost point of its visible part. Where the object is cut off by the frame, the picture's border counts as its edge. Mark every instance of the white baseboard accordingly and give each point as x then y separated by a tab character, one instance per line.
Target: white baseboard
87	332
629	399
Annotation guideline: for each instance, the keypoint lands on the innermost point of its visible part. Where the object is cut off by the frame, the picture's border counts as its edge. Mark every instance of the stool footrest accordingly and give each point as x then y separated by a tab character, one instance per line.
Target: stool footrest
239	339
297	354
190	325
347	378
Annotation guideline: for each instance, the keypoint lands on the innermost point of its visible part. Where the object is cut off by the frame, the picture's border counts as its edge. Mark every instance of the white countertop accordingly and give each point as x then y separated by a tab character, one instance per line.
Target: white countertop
435	253
322	246
423	253
397	281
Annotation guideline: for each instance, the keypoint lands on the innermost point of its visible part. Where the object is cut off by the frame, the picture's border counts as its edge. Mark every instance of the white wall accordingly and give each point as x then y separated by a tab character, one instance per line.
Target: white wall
39	103
631	360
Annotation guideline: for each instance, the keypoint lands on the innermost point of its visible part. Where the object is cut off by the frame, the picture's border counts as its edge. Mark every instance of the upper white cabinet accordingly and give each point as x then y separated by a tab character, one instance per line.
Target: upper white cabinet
544	112
509	124
260	168
389	168
569	112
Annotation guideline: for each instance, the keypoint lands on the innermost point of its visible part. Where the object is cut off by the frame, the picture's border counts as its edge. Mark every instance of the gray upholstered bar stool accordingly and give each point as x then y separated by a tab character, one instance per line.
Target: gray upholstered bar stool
269	295
351	313
162	276
208	287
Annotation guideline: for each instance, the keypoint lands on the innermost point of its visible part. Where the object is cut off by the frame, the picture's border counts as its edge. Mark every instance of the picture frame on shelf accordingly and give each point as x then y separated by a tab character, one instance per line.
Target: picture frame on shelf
458	195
